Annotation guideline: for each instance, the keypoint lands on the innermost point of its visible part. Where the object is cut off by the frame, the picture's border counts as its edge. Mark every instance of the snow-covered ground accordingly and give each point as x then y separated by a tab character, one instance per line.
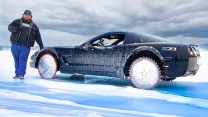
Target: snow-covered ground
95	96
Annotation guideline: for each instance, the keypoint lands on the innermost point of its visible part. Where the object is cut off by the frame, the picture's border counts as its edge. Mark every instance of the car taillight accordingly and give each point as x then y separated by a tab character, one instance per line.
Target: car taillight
192	51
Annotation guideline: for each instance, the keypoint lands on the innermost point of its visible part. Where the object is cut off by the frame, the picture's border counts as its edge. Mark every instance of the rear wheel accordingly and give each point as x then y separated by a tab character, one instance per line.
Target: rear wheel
144	73
47	66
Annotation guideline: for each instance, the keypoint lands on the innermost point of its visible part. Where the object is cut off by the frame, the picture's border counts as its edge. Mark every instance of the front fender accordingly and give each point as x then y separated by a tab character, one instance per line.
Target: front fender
43	51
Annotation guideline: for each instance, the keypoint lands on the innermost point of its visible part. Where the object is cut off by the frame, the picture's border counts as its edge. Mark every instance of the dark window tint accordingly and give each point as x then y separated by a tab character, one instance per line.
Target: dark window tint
150	38
142	38
108	40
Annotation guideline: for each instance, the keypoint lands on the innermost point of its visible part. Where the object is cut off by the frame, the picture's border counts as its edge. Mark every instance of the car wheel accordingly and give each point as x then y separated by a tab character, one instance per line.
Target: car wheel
144	73
47	66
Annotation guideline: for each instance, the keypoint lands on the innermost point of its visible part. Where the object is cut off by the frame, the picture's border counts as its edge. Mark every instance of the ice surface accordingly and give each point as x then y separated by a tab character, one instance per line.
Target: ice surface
95	96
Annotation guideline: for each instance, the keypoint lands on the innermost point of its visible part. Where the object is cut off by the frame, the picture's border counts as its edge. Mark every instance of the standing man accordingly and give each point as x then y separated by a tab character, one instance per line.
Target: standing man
24	33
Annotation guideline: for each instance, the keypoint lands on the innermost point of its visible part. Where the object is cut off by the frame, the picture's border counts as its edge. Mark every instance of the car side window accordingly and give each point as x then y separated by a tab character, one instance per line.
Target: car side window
108	40
97	43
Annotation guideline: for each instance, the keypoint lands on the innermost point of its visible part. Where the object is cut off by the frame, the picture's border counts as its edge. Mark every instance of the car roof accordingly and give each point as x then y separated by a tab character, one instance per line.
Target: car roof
107	33
128	35
112	32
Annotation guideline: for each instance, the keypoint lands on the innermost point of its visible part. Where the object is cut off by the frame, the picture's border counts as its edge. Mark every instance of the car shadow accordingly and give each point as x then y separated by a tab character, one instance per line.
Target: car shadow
181	88
88	79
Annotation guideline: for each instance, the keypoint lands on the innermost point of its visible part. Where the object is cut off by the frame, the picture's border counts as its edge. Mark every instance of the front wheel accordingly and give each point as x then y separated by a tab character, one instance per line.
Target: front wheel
144	73
47	66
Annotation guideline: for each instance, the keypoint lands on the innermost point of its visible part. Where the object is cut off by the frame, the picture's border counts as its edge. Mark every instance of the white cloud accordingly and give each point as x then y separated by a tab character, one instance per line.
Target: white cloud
191	40
164	18
52	37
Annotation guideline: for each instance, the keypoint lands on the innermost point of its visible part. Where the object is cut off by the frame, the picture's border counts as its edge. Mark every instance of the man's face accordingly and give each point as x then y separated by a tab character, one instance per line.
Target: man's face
27	17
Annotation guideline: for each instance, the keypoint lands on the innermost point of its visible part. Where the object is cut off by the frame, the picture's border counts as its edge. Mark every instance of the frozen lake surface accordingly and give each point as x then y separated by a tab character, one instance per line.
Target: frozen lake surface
96	96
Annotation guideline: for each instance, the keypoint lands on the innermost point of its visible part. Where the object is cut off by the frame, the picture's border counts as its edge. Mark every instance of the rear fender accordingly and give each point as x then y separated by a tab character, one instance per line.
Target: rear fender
146	48
134	54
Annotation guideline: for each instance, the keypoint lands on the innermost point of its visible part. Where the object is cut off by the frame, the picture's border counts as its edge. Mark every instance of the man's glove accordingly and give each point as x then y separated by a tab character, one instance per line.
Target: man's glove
18	29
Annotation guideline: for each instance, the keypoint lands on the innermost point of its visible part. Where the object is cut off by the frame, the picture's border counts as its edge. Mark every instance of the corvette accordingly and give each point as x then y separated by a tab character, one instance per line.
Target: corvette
144	59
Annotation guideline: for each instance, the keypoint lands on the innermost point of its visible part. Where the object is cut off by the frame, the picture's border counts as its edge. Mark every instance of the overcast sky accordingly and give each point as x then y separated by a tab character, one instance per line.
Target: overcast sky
69	22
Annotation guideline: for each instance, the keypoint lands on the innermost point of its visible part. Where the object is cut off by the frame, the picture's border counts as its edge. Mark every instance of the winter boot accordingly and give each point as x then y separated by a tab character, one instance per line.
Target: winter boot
15	77
20	77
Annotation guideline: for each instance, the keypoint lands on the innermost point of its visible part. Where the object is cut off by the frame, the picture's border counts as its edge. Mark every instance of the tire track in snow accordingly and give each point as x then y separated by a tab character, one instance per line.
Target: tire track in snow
29	97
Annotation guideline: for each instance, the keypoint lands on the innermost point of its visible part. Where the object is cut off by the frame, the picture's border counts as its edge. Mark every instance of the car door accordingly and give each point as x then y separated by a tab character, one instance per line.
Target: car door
106	59
98	59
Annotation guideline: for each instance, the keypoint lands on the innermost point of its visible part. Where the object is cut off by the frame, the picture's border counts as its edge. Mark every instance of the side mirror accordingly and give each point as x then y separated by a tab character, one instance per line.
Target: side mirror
86	46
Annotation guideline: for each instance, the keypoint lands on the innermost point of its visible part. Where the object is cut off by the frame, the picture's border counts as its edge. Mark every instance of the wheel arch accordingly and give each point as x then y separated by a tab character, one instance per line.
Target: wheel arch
48	51
143	51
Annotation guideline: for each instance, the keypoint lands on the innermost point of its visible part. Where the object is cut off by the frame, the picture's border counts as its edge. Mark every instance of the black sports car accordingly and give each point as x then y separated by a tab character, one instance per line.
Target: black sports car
144	59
